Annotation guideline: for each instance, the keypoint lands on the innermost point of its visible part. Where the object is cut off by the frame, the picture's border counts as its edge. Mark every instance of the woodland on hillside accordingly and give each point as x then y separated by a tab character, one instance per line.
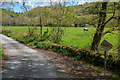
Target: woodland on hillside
59	15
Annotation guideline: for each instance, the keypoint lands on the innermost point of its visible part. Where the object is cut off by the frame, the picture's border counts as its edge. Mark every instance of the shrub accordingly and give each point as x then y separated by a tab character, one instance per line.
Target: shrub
78	57
56	35
31	44
43	45
44	37
25	35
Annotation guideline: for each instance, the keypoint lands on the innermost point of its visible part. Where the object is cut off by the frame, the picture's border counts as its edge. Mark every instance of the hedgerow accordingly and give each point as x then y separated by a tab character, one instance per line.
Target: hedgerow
79	54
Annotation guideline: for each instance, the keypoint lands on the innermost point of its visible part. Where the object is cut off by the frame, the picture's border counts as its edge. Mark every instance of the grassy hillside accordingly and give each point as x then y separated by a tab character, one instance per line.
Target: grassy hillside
52	15
9	13
9	17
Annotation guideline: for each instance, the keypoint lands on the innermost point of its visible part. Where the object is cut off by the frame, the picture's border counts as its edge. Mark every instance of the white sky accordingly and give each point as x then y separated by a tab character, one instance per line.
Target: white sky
56	0
32	3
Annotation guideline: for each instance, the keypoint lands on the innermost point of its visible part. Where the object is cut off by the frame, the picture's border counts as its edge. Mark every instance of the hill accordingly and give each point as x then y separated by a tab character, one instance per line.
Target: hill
58	15
8	17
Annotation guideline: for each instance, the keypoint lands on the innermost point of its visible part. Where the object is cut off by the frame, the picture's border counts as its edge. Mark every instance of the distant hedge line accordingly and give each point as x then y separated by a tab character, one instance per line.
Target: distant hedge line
79	54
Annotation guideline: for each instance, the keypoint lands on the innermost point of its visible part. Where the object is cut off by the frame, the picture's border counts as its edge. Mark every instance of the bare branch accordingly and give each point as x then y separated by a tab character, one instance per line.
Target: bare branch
112	17
109	20
110	30
2	4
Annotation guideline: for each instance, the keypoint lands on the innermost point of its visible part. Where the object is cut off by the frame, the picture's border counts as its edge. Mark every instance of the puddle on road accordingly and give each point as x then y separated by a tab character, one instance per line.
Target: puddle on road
13	62
24	59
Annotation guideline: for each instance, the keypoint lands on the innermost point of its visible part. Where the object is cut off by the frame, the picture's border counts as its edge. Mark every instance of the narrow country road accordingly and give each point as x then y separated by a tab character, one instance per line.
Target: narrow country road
24	62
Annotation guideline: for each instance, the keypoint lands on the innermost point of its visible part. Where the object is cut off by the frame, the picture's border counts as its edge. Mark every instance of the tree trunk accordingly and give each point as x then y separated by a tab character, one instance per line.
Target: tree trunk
47	29
119	35
29	28
59	25
98	35
40	26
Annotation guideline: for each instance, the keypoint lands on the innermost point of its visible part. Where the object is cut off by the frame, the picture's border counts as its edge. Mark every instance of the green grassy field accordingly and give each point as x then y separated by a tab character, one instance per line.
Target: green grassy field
2	55
76	37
